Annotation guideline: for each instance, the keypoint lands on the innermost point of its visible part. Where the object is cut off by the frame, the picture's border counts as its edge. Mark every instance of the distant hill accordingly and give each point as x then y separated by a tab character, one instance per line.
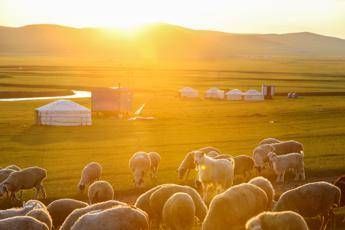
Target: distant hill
163	41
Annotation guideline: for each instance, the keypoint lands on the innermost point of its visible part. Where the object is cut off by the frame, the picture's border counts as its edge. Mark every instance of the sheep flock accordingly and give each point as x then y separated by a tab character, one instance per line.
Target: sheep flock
215	191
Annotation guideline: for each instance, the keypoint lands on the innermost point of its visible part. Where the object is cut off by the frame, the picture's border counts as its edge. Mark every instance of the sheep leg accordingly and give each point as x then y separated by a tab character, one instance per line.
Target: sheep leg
297	173
187	174
205	188
43	191
283	176
325	222
278	177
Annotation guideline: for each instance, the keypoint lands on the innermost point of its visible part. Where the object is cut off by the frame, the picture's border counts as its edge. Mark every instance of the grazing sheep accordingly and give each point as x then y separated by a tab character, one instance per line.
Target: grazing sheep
139	164
74	216
41	215
90	173
285	147
162	194
282	163
143	201
260	155
155	160
120	217
311	200
14	167
22	222
100	191
286	220
60	209
178	212
213	172
265	185
269	140
232	208
4	173
186	166
244	166
27	178
340	183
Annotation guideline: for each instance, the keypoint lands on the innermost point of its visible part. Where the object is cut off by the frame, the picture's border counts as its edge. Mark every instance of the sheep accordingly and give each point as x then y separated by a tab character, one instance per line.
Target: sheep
22	211
281	163
285	147
27	178
179	212
260	155
100	191
285	220
216	172
244	166
269	140
35	203
22	222
186	166
155	160
14	167
90	173
232	208
74	215
41	215
139	164
340	183
60	209
143	201
4	173
120	217
311	200
265	185
162	194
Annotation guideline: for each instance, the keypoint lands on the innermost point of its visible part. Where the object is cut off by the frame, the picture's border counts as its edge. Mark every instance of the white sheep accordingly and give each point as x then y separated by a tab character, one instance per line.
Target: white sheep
27	178
41	215
100	191
155	160
232	208
178	212
75	214
164	192
4	173
61	208
286	220
140	164
143	201
311	200
260	155
218	173
282	163
90	173
285	147
22	222
269	140
265	185
120	217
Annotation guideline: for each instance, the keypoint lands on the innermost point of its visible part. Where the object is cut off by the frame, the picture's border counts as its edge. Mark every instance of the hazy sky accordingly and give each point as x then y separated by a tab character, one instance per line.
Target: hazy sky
240	16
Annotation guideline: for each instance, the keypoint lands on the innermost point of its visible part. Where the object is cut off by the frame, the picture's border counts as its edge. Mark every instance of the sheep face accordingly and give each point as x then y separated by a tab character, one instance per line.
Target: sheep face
198	157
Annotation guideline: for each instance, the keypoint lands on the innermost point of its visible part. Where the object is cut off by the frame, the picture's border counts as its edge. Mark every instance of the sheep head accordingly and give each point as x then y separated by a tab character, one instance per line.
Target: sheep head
198	157
272	156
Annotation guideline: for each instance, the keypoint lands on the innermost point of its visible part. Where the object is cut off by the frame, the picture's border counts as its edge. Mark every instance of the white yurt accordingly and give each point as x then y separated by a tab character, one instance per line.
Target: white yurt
234	95
214	93
63	113
188	92
253	95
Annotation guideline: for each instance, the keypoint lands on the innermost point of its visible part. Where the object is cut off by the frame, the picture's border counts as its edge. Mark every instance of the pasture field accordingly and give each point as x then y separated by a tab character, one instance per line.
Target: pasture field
180	125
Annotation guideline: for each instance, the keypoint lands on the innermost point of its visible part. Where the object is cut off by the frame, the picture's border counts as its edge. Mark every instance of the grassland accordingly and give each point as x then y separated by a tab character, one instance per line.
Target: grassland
234	127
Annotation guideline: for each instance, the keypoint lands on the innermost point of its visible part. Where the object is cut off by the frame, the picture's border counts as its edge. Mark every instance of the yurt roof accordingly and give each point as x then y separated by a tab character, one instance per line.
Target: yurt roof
234	91
62	105
213	89
252	92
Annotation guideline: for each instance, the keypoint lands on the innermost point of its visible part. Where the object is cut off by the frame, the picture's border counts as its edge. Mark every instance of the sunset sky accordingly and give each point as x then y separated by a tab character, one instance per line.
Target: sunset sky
245	16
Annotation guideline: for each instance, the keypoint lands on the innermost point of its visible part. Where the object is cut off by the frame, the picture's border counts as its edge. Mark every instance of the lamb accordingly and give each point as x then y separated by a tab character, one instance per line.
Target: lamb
244	166
162	194
90	173
260	155
155	160
232	208
340	183
100	191
265	185
60	209
216	172
311	200
269	140
285	147
27	178
41	215
22	222
73	217
120	217
286	220
139	164
179	212
282	163
4	173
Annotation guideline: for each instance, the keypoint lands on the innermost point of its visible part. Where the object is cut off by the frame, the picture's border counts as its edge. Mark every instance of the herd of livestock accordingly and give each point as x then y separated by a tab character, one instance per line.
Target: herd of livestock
214	202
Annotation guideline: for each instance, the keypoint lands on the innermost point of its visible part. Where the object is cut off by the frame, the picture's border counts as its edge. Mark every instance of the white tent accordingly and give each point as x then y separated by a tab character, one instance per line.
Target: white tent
188	92
234	95
253	95
63	113
214	93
